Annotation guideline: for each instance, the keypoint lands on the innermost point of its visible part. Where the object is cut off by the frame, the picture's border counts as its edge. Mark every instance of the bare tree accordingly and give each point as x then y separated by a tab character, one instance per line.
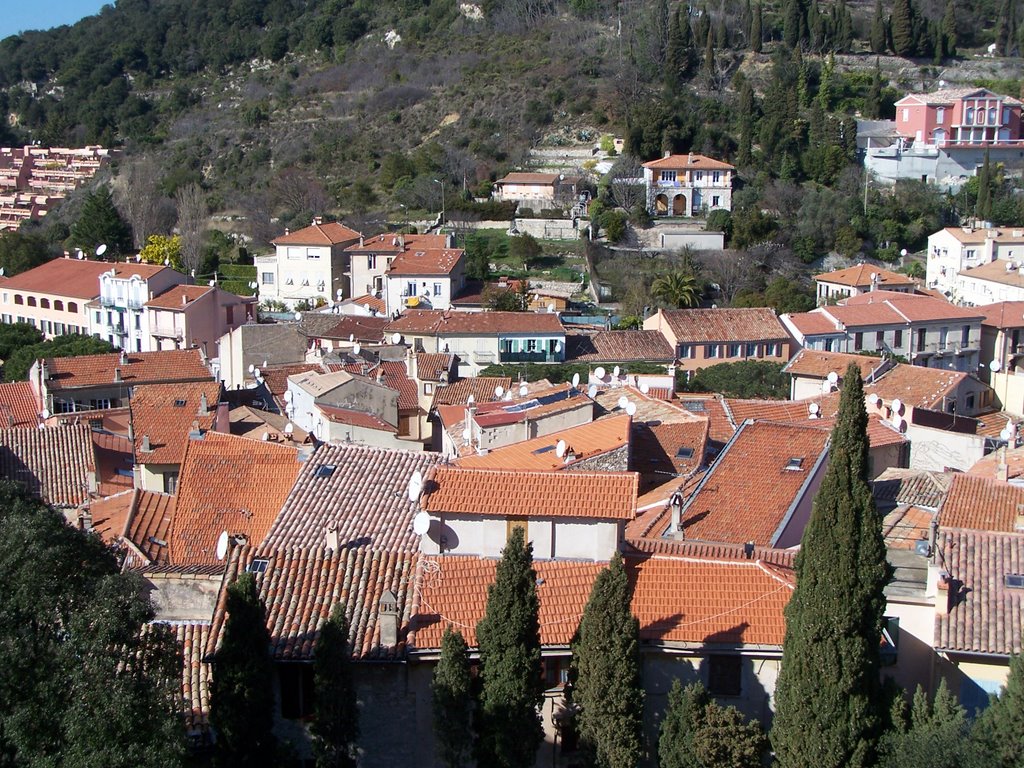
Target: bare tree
192	218
730	270
626	183
138	198
298	191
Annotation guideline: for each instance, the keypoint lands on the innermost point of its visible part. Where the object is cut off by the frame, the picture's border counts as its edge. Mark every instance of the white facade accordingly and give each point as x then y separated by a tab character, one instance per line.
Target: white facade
955	249
422	291
557	537
119	316
297	273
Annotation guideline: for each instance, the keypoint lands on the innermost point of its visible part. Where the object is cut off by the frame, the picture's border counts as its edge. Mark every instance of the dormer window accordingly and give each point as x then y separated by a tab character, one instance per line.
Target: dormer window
258	566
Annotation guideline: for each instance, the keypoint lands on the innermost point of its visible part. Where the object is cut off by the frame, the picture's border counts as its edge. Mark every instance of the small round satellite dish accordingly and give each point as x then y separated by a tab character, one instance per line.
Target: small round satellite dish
80	254
470	400
833	377
592	391
46	413
339	293
101	249
396	338
421	523
903	252
266	437
599	372
615	371
560	449
508	395
873	399
356	349
256	372
1004	434
467	434
264	362
645	387
289	428
558	346
222	545
874	276
897	406
575	379
631	408
813	409
826	387
523	390
900	423
351	337
288	396
499	391
994	366
415	485
252	368
42	426
623	401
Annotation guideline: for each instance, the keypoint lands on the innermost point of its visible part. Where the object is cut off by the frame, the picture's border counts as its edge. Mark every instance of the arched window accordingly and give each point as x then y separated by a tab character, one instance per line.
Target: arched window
72	306
44	303
58	305
31	301
19	299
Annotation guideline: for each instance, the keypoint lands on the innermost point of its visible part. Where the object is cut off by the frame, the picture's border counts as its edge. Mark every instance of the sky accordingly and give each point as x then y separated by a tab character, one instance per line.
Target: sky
42	14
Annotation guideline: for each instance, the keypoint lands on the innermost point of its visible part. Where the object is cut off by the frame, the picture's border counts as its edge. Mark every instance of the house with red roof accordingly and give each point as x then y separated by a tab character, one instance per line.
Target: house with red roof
704	337
119	312
1002	353
194	316
424	278
370	259
861	278
688	185
309	265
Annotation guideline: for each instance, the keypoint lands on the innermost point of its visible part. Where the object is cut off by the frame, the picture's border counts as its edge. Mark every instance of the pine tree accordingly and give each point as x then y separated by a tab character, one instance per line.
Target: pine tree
607	662
453	701
509	642
335	726
721	33
679	53
684	716
99	223
829	708
949	28
904	41
998	734
746	20
825	83
242	691
703	24
878	33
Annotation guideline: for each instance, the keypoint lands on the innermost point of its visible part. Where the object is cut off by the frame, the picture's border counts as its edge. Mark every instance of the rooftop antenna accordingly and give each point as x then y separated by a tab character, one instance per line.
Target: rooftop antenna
415	487
222	545
560	449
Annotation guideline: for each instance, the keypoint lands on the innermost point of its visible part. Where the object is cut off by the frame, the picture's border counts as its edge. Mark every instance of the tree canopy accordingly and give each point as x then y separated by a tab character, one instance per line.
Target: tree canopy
451	693
16	367
335	726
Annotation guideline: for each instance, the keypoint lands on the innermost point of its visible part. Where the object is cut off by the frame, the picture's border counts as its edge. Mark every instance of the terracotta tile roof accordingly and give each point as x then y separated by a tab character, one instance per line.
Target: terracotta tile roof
440	322
993	423
114	462
691	160
712	408
275	377
110	514
179	365
988	466
585	442
481	388
362	329
1005	314
663	452
985	614
228	483
432	261
331	233
817	364
749	490
395	376
781	559
917	386
148	527
54	464
372	303
519	177
178	297
356	418
253	424
504	493
789	411
913	307
982	504
394	243
618	347
872	315
911	487
18	405
430	366
74	278
649	408
813	323
453	591
166	413
903	527
723	325
196	674
859	276
705	602
301	586
995	272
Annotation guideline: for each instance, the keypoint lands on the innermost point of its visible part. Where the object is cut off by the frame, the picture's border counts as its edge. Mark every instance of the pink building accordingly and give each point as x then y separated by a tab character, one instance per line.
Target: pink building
968	117
195	316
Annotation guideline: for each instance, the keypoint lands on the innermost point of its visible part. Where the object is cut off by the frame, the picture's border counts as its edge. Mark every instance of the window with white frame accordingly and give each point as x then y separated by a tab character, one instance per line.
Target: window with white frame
668	175
716	176
437	289
711	350
940	115
734	350
751	350
371	261
312	253
267	278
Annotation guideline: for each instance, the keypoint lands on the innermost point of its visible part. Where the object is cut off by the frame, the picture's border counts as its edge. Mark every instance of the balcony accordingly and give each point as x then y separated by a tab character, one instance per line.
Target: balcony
528	357
167	333
949	348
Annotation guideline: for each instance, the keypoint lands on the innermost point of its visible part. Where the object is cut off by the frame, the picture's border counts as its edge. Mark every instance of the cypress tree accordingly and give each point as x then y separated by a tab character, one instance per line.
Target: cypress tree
703	24
721	34
949	28
829	703
679	54
937	735
509	640
878	35
746	19
756	33
685	714
825	83
998	733
844	28
903	28
873	99
983	207
606	658
746	114
453	701
792	22
335	726
242	690
709	54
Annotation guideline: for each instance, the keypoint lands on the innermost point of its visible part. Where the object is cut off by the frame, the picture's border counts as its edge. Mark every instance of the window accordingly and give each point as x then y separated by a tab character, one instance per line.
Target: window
906	115
97	316
72	306
410	288
716	176
687	351
858	341
751	350
58	328
138	322
943	337
992	116
531	345
296	684
734	350
258	566
1006	115
312	253
965	335
31	301
970	253
922	334
715	201
58	305
668	175
725	675
969	118
897	338
879	339
711	350
18	299
324	471
698	176
99	403
229	314
795	464
428	388
267	278
771	350
44	303
437	289
970	402
890	641
940	115
171	483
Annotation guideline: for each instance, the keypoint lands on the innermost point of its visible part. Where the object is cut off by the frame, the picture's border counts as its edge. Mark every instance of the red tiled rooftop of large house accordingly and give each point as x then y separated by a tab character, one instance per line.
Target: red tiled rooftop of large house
179	365
749	490
453	591
985	615
393	243
360	492
815	363
917	386
648	407
74	278
437	321
53	464
110	514
722	325
482	388
861	275
989	466
430	366
712	408
231	484
982	504
432	261
582	443
707	602
789	411
1005	314
691	160
913	307
814	323
992	424
164	414
618	346
666	452
18	405
330	233
505	493
395	376
178	297
148	527
357	328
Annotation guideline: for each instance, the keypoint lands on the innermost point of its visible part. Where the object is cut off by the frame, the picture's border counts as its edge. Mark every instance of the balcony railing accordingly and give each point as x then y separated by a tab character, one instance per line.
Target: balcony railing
167	333
528	357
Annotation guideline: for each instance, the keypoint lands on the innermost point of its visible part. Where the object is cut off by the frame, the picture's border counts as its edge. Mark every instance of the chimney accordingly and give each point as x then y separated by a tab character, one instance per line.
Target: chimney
117	376
361	241
331	536
410	363
666	153
676	504
945	596
689	159
146	447
286	232
318	220
85	519
1002	470
387	617
195	433
184	299
204	405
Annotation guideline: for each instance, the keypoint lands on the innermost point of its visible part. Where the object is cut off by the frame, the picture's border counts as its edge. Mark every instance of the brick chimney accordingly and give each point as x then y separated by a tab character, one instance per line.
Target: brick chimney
387	617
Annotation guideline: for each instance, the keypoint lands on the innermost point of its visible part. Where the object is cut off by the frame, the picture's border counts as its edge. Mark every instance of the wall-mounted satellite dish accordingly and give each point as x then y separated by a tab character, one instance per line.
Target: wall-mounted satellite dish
523	390
645	387
994	366
826	387
599	372
499	391
631	408
288	396
813	409
46	413
897	406
101	249
592	391
900	423
256	373
1005	435
252	368
873	399
421	523
467	434
833	378
222	545
212	283
615	371
415	486
470	400
560	449
508	395
623	402
356	349
396	338
351	337
575	380
289	428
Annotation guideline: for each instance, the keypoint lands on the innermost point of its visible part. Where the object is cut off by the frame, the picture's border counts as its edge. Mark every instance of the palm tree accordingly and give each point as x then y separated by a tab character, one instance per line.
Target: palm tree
677	289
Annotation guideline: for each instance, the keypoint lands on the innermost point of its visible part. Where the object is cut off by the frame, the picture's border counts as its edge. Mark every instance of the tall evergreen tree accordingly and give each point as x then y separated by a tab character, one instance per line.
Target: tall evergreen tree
606	658
937	735
99	223
242	691
703	24
679	54
684	716
903	25
829	707
999	732
744	152
949	28
878	33
983	207
509	640
873	99
709	54
792	23
335	726
844	28
452	701
756	30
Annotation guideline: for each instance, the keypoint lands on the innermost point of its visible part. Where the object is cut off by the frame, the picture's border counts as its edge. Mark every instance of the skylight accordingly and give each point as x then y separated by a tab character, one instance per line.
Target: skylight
324	471
180	403
544	449
258	566
684	452
694	406
795	464
1014	580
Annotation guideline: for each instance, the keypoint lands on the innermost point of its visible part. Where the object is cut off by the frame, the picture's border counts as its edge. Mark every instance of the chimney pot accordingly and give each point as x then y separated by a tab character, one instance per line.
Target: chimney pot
331	537
387	617
117	375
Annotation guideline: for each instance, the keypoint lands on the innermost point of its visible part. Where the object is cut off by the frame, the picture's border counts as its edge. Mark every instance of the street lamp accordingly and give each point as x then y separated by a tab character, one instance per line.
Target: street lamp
441	182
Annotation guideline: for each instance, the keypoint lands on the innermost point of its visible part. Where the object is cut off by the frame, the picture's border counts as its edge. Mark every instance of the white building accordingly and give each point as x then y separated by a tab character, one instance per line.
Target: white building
954	250
309	265
425	279
371	257
119	315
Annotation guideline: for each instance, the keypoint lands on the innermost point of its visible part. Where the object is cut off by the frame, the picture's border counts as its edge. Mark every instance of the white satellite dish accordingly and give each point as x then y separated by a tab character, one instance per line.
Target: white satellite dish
560	449
897	406
356	349
298	316
615	371
339	293
826	387
266	437
396	338
558	346
499	391
264	362
467	434
101	249
873	399
252	368
470	400
289	428
645	387
138	258
899	423
631	408
994	366
42	426
874	276
1005	435
351	337
222	545
599	372
46	413
212	283
592	391
813	409
508	395
623	402
288	396
415	486
256	372
575	380
421	523
833	377
523	390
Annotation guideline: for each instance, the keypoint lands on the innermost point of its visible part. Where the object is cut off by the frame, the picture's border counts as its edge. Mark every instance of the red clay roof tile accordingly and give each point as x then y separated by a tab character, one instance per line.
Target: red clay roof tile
983	504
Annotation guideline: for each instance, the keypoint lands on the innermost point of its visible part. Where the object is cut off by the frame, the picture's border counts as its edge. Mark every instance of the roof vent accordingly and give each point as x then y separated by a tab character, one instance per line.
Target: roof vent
146	447
204	404
795	464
